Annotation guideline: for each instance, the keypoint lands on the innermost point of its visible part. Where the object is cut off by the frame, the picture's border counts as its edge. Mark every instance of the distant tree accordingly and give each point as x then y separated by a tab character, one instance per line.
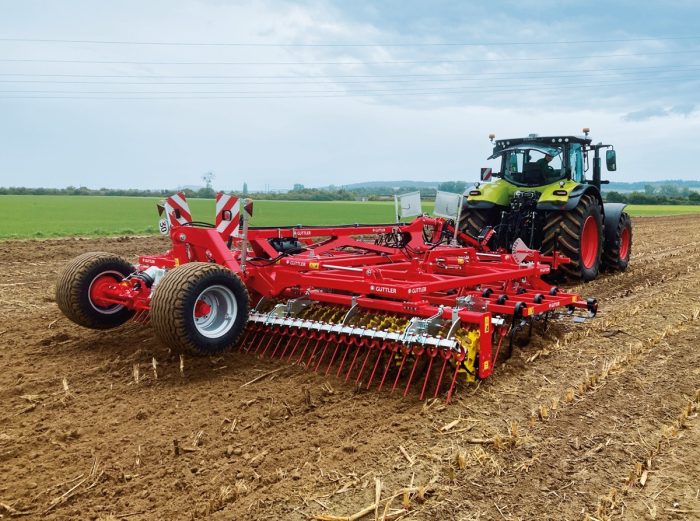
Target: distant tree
669	190
615	197
245	188
649	189
298	187
456	187
207	191
694	196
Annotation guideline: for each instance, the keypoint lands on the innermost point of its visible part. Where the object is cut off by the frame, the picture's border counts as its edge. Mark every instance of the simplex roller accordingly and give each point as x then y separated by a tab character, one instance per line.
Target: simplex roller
393	304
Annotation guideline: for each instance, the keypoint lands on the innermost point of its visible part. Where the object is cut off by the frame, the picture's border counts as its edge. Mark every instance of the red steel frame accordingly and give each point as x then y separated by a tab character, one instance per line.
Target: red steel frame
340	266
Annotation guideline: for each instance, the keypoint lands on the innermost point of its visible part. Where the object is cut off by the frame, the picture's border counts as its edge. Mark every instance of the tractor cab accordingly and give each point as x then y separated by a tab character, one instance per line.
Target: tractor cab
536	161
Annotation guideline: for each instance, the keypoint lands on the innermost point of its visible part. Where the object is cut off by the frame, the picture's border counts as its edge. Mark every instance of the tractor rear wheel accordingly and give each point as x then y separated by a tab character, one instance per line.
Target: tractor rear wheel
616	256
578	234
200	307
78	295
474	220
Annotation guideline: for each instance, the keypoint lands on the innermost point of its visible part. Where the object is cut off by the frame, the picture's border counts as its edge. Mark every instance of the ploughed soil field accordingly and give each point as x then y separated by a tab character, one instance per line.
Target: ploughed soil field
594	420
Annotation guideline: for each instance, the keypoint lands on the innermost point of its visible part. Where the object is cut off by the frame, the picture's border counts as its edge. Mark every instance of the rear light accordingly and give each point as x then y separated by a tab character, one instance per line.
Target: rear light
560	192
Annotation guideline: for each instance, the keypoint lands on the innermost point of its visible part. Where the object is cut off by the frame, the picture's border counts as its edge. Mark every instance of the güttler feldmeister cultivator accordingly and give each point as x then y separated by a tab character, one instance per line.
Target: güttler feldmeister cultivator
388	304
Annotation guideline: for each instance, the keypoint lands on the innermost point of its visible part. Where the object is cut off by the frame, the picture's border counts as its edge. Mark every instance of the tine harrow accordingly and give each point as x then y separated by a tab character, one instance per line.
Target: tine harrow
385	306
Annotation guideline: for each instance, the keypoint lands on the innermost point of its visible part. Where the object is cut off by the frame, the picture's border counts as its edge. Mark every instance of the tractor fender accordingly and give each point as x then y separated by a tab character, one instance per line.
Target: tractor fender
574	197
479	205
613	212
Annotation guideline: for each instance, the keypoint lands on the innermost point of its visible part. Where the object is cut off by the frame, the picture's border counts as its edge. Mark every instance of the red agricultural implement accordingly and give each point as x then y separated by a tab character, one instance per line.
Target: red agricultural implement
392	304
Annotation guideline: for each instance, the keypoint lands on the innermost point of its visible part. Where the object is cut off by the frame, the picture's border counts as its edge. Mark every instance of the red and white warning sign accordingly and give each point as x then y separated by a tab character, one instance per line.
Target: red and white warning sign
177	209
228	215
485	174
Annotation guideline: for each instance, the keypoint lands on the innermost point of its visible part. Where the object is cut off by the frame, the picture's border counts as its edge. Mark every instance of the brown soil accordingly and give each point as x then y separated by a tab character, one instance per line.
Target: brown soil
596	420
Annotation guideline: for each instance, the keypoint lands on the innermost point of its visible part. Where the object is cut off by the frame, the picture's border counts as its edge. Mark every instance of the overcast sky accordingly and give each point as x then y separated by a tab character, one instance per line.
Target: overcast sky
152	94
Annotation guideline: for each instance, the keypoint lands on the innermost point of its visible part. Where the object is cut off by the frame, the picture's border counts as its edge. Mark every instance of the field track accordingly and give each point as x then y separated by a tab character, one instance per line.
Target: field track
596	420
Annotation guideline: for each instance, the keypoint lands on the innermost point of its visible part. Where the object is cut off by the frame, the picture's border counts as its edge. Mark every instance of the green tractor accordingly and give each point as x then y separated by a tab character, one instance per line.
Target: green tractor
541	197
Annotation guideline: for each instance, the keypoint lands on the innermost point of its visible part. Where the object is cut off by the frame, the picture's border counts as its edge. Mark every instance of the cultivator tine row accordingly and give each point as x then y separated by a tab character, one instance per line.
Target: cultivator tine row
370	348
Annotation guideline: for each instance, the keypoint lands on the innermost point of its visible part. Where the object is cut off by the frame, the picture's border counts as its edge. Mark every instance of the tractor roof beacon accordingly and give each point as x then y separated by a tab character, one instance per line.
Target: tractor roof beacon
541	196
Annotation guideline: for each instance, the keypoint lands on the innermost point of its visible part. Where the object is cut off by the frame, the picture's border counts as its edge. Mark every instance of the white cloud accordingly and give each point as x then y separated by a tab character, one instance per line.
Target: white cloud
389	127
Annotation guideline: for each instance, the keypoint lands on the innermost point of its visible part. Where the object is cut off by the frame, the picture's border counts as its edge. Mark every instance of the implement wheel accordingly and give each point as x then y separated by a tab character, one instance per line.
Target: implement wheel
78	290
578	234
200	307
616	256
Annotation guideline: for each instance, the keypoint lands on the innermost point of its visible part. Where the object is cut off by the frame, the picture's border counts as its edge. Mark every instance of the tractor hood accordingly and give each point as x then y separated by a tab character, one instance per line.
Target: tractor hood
500	192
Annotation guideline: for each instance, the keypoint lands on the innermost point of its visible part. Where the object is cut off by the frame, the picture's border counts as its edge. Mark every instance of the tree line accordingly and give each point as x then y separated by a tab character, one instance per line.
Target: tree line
652	194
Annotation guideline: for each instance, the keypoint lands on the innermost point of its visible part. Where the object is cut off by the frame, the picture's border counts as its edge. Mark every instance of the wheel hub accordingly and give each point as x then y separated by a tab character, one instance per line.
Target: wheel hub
215	311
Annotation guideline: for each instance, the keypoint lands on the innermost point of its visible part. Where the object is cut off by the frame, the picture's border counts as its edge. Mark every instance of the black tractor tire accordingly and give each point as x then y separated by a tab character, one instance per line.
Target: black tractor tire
578	234
473	220
75	282
616	255
224	303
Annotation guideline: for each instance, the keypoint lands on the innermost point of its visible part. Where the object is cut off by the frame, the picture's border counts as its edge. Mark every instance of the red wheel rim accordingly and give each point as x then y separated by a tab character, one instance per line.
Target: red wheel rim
624	243
98	291
589	242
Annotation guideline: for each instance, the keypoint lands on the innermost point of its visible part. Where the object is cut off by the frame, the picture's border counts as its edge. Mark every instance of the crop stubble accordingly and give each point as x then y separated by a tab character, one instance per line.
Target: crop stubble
95	424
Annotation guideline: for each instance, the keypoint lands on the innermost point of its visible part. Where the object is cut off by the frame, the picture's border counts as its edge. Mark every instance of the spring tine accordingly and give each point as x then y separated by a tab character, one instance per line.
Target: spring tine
284	351
427	377
313	352
279	342
357	352
246	335
376	364
342	361
442	372
454	380
256	338
273	334
398	374
410	378
262	338
320	358
389	361
306	347
364	363
301	339
335	352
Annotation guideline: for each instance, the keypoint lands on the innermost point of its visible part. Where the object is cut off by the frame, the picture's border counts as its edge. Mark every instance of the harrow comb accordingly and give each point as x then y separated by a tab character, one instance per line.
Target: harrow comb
391	306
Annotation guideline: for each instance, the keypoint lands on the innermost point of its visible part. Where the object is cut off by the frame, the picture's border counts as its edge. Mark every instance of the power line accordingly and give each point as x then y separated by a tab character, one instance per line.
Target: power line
389	44
355	63
327	93
437	76
329	81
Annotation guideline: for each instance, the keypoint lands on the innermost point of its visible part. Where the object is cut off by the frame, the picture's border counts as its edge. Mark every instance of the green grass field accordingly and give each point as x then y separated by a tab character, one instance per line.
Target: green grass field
23	216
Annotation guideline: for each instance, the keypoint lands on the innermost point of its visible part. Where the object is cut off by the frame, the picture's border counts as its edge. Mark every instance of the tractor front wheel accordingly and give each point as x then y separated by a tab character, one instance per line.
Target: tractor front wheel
200	307
578	234
473	220
78	290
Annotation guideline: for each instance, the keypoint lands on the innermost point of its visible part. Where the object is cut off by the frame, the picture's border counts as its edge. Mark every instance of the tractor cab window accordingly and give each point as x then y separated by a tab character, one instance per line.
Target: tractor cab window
528	165
576	162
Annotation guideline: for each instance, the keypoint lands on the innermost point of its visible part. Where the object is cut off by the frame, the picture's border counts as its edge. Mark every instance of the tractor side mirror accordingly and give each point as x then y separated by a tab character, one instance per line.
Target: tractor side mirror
611	160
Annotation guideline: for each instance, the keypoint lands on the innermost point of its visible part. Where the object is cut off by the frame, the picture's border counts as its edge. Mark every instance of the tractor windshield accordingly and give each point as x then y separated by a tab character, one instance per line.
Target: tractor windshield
531	165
